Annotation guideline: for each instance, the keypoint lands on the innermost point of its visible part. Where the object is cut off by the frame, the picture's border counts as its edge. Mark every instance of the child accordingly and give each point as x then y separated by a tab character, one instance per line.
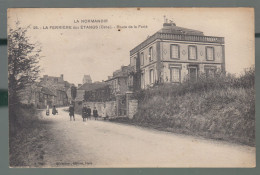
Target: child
95	113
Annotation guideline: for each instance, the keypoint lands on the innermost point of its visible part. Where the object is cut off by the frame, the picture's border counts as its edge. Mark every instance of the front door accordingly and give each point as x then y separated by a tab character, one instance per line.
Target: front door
193	73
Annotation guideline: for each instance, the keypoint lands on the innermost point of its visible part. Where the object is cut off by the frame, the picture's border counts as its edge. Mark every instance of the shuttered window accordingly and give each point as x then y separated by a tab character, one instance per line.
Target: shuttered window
151	54
175	74
210	53
151	76
175	51
192	52
142	58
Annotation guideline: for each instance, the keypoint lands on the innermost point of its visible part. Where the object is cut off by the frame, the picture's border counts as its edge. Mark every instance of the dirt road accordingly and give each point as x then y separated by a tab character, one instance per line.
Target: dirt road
106	144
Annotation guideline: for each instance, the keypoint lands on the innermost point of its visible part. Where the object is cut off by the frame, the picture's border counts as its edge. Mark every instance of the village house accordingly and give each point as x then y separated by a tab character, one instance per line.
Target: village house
38	95
118	83
58	86
174	54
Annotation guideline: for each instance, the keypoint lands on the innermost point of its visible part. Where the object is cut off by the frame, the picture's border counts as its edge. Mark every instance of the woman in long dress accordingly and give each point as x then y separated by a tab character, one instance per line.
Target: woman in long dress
104	113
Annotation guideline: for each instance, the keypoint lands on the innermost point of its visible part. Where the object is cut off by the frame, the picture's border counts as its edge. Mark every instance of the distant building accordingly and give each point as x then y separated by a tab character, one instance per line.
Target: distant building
173	54
118	82
86	79
38	95
58	86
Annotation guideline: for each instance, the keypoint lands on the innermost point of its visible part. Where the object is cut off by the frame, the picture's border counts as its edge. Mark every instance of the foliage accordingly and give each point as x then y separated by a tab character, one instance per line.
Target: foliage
23	68
73	92
222	107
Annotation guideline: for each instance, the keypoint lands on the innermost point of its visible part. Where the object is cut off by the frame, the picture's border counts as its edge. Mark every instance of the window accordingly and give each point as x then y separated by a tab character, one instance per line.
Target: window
130	80
210	53
175	51
142	58
192	52
142	81
210	71
151	76
175	74
151	54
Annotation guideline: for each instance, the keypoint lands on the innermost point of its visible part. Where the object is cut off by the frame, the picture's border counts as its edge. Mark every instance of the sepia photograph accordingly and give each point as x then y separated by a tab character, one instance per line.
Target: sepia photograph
131	87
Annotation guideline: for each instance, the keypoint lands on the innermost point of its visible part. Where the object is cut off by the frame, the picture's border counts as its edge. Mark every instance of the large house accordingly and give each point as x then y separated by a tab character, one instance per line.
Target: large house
173	54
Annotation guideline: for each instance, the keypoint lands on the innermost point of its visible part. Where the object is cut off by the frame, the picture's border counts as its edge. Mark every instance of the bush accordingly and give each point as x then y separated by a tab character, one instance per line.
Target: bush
222	107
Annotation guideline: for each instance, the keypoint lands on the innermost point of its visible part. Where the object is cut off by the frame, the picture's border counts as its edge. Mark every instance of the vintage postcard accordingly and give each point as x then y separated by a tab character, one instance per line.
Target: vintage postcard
131	87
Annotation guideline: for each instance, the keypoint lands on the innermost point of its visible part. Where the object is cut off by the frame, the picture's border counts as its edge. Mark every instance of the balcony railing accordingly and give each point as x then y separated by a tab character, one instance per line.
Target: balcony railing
178	37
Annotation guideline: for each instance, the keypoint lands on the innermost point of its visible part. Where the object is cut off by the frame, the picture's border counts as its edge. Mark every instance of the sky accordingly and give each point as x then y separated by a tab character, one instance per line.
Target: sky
100	51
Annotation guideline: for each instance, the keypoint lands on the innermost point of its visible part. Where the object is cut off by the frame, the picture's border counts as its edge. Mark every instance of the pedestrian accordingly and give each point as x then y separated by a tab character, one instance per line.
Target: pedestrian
71	112
84	112
54	110
47	110
89	113
104	113
95	113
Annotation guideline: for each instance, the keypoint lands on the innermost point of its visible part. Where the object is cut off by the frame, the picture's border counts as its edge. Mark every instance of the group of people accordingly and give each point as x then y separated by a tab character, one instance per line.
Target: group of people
86	113
54	110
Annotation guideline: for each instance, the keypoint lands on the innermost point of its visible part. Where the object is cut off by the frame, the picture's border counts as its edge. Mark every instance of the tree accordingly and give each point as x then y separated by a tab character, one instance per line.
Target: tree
73	92
23	62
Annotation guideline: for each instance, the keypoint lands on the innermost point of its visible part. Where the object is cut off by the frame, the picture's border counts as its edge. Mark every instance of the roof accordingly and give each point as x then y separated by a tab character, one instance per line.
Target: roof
117	76
173	29
172	32
92	86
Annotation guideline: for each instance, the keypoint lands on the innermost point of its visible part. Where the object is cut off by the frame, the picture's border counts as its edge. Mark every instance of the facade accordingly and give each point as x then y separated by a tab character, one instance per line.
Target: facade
39	96
59	87
174	54
86	79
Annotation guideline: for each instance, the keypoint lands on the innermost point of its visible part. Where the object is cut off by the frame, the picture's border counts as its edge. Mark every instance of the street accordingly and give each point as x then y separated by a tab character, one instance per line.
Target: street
106	144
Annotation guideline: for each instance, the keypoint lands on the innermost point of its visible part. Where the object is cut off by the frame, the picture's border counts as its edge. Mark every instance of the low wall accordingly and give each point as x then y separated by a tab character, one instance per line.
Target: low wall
110	107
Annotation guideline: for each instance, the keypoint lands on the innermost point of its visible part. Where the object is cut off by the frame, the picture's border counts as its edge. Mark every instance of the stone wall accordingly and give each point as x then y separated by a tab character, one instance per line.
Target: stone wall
132	107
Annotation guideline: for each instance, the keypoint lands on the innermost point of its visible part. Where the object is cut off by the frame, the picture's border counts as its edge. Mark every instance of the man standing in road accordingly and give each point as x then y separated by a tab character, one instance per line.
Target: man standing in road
89	113
71	112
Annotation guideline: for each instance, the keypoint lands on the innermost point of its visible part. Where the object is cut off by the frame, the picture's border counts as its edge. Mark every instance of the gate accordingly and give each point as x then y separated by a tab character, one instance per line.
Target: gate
121	105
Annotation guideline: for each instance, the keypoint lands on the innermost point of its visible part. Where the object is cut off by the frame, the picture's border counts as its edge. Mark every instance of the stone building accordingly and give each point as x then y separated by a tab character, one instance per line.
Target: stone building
38	95
58	86
118	83
173	54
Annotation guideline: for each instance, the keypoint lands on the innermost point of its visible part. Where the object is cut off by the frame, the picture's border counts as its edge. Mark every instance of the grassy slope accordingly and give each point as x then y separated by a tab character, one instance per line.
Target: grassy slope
27	139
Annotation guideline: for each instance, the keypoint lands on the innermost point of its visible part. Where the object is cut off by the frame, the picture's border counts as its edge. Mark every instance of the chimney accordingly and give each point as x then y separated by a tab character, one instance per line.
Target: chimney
61	76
